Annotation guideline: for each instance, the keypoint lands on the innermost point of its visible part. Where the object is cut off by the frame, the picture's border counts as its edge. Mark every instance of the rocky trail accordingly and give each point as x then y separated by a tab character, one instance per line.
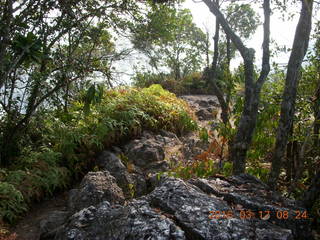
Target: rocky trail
125	198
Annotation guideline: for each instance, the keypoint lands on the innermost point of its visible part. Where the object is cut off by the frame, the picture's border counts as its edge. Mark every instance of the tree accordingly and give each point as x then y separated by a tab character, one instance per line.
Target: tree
243	20
299	49
248	119
45	47
170	40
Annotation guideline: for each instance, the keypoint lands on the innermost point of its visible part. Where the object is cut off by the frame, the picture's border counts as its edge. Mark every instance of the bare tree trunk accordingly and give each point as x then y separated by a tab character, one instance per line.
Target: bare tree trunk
228	52
300	45
213	74
248	119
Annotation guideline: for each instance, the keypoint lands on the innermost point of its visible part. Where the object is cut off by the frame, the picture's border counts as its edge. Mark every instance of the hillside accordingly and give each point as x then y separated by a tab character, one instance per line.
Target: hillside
133	188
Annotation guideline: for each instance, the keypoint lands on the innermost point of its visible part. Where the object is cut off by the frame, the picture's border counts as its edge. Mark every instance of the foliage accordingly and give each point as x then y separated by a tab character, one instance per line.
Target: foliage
243	19
66	146
259	172
48	51
171	41
204	135
11	202
206	164
189	84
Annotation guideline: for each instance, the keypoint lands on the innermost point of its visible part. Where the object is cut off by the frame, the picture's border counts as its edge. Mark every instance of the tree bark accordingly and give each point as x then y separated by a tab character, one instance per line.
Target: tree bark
300	45
228	52
248	119
313	192
5	37
213	74
316	127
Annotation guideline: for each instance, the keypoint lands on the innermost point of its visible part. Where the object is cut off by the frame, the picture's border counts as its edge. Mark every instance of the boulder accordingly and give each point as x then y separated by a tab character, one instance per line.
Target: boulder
178	209
132	184
95	188
249	193
138	220
191	207
204	114
145	151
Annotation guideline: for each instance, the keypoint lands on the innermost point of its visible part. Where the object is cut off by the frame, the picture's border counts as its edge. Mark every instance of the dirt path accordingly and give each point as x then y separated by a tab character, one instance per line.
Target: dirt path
28	227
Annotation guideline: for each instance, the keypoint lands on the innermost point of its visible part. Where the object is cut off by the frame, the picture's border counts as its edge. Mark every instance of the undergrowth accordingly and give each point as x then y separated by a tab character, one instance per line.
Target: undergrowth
68	141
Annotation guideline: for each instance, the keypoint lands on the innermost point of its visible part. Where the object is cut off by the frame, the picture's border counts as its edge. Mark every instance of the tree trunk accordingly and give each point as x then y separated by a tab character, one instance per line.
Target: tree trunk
316	127
313	192
213	73
248	119
299	49
290	157
5	37
228	52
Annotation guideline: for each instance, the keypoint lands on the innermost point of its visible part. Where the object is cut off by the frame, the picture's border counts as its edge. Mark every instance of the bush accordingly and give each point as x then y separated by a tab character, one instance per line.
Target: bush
189	84
11	202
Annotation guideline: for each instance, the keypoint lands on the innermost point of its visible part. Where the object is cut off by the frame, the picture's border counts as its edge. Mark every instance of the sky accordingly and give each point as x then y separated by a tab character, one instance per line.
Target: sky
281	31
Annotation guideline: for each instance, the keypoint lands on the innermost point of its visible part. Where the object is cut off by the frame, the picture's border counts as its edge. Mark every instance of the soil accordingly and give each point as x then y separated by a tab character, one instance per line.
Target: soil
28	227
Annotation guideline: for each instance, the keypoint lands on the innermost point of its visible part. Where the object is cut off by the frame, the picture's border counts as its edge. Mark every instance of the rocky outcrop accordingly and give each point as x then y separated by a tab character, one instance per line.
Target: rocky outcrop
132	164
178	209
127	199
132	184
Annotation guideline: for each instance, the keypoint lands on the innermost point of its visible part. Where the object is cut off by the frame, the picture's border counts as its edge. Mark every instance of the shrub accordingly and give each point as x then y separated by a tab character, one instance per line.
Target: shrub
189	84
11	202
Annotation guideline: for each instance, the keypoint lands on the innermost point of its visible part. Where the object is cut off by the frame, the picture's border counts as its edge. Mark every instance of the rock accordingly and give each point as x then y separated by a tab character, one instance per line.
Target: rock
204	114
157	167
203	103
191	208
139	185
50	224
177	209
130	183
109	161
168	134
95	188
156	180
193	147
250	193
144	151
135	221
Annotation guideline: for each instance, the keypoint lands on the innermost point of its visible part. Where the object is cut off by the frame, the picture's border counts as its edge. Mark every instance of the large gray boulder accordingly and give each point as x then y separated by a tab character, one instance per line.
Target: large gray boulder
95	188
249	193
204	114
138	220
